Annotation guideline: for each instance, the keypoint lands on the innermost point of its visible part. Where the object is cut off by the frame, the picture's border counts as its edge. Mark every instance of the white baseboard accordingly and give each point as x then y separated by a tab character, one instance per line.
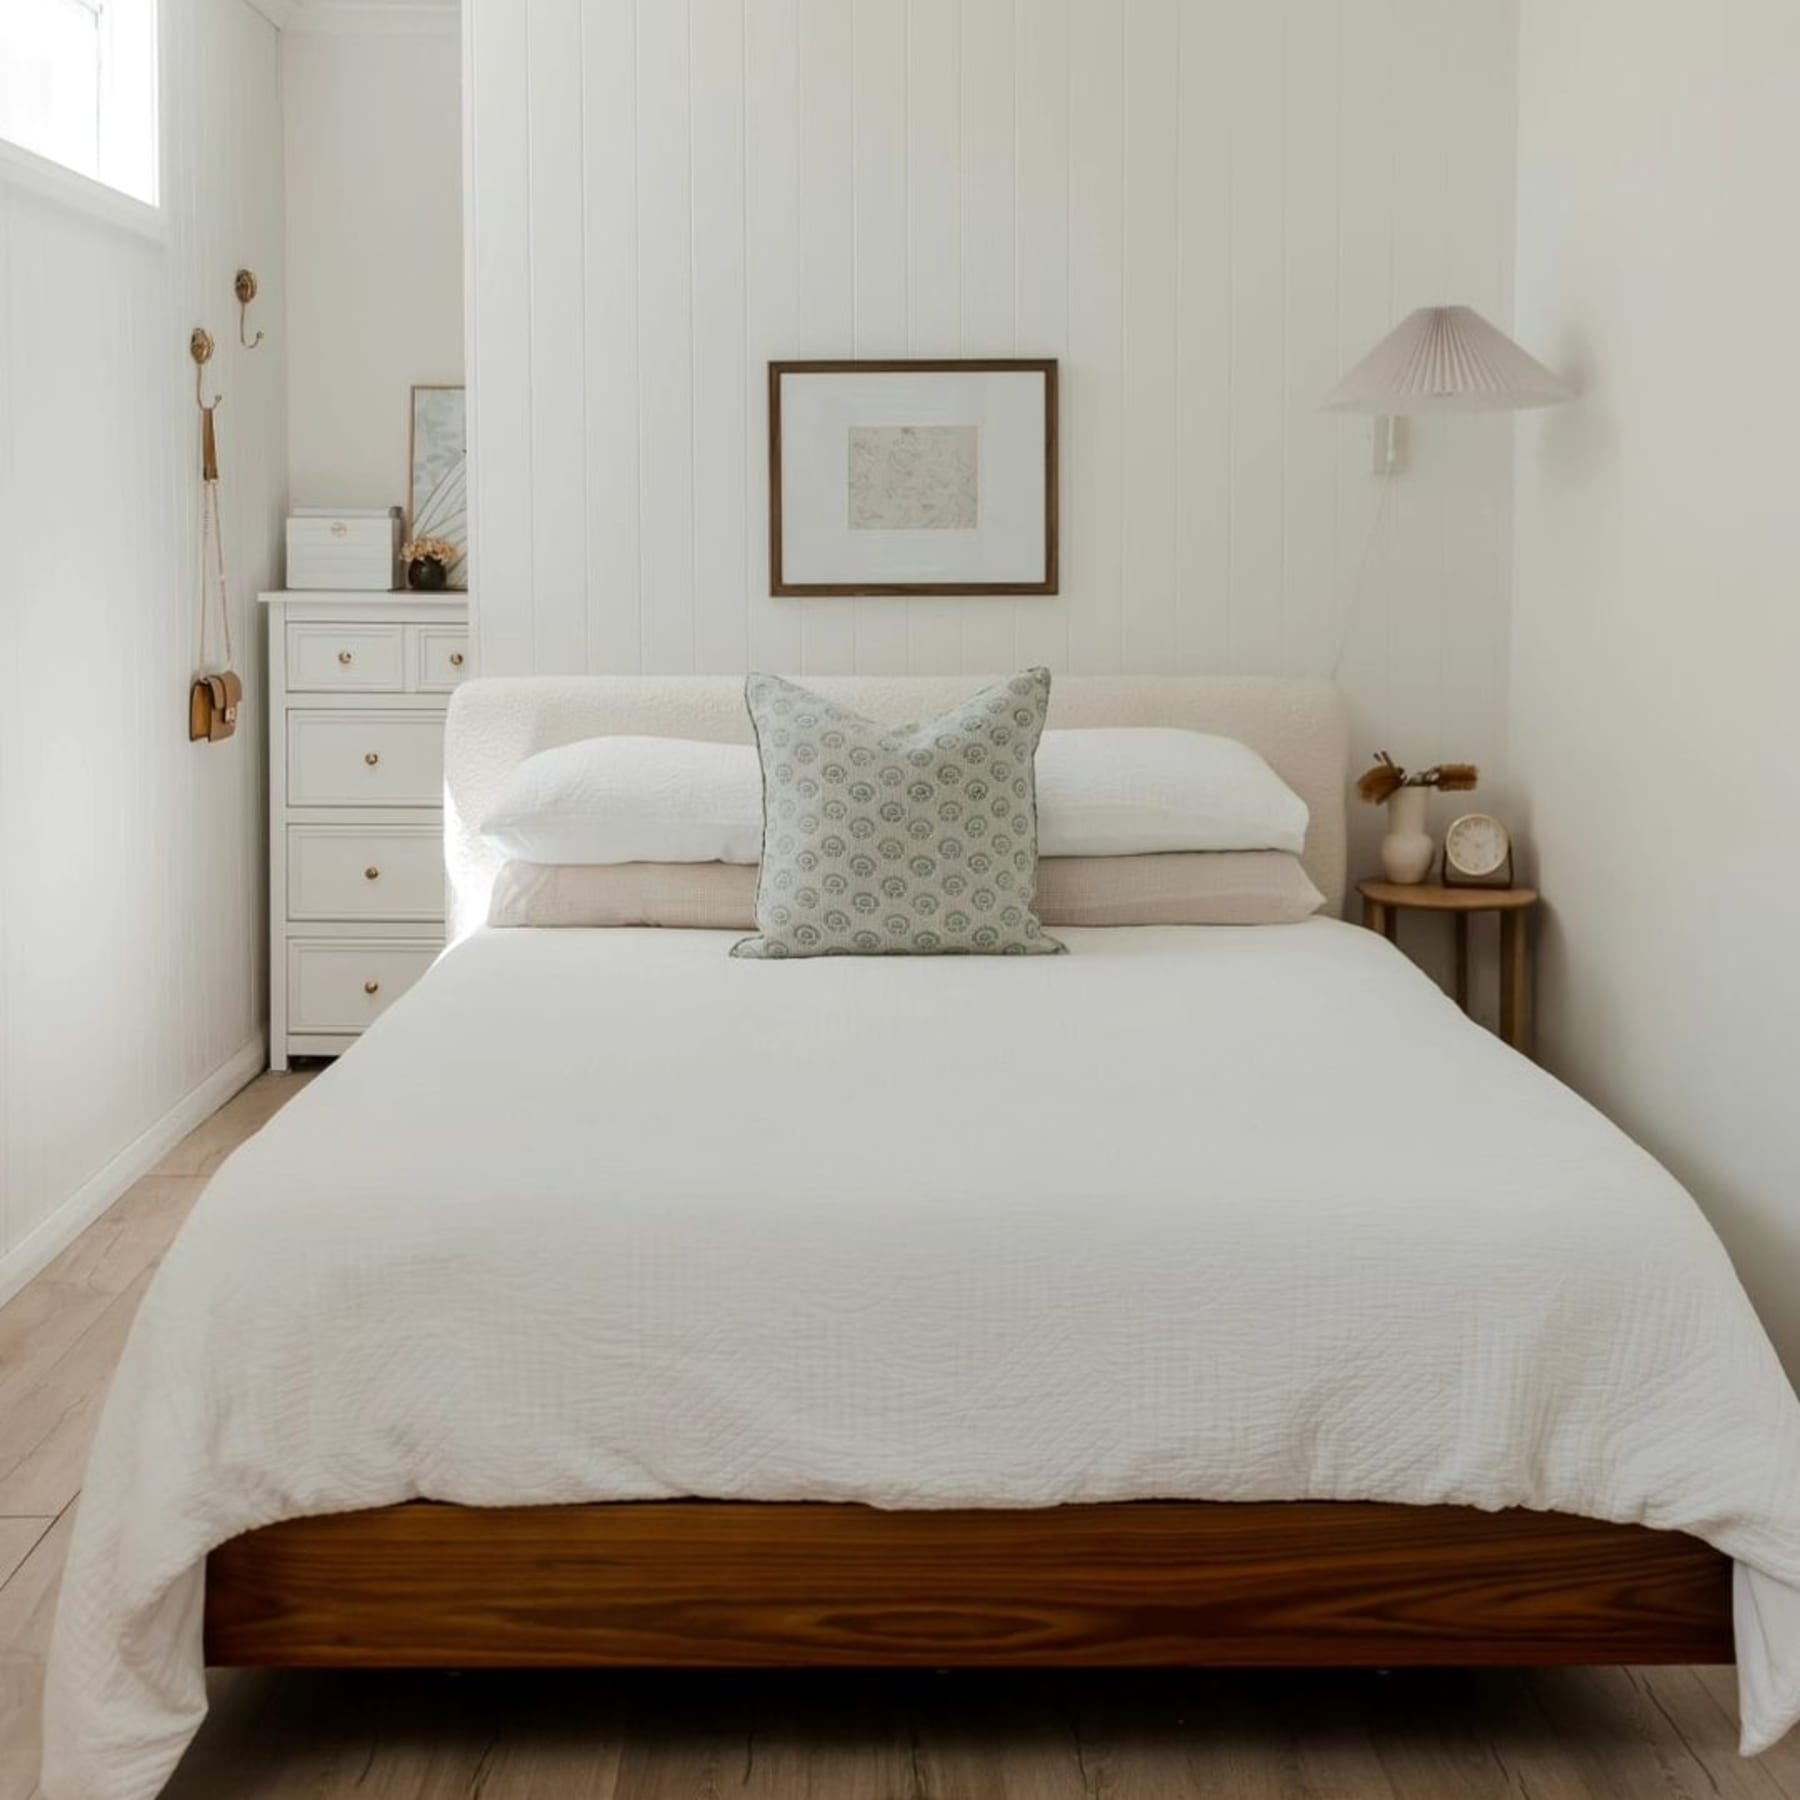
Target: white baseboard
35	1250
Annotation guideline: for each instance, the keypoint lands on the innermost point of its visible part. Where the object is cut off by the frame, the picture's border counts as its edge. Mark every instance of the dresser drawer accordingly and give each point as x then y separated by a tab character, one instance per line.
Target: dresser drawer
440	657
365	872
344	984
365	758
346	659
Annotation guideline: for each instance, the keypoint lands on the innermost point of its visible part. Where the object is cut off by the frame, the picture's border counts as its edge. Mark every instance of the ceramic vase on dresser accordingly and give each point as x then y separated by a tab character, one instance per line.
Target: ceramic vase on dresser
1407	850
358	686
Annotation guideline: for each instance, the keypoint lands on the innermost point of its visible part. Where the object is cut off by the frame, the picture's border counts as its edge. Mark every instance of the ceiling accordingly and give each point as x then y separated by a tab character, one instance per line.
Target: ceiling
360	16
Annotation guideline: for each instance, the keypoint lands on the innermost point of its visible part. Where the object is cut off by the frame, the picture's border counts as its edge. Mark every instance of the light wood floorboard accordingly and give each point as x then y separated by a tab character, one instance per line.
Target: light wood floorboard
18	1538
1610	1734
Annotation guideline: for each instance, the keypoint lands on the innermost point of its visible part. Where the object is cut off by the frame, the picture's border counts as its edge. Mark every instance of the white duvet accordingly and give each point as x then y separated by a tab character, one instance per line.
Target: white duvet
1235	1214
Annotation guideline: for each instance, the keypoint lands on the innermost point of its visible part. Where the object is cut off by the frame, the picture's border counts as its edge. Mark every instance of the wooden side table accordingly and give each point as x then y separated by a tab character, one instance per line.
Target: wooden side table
1384	901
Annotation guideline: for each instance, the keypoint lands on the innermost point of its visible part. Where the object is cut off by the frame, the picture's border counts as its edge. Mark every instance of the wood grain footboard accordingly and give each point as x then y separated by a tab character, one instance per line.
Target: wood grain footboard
729	1584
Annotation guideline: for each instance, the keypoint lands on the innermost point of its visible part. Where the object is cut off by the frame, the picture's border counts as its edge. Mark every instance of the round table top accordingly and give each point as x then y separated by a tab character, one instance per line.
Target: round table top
1433	896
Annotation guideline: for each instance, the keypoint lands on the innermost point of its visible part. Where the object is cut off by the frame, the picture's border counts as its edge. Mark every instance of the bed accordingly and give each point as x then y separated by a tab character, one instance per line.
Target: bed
1208	1295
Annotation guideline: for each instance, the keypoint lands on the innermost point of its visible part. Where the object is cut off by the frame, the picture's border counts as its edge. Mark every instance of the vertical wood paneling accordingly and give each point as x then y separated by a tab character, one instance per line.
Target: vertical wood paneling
1414	653
986	206
878	104
499	370
1093	390
1367	145
827	229
665	272
771	291
1206	209
1041	256
721	614
131	937
372	145
1203	344
1148	507
195	225
1257	105
610	336
1309	329
1481	173
559	540
933	256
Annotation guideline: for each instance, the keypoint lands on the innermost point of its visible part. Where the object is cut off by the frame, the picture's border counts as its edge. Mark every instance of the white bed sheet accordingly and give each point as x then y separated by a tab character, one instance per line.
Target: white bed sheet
1235	1214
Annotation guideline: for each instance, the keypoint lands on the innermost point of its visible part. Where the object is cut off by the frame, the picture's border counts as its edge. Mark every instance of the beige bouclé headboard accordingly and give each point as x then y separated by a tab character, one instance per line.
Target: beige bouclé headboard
1297	726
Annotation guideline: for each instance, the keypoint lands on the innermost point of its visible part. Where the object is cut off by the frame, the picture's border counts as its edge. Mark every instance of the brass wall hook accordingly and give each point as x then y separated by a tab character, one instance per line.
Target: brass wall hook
245	289
200	348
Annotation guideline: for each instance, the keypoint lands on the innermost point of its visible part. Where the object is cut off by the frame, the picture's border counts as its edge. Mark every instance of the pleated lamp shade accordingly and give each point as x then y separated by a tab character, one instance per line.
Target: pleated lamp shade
1446	359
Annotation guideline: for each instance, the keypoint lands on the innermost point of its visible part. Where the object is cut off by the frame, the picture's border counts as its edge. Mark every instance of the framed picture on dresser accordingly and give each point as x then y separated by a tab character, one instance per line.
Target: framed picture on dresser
913	477
437	472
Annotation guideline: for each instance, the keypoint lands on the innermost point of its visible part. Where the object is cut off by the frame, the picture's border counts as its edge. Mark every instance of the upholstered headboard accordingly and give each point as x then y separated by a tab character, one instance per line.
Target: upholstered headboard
494	725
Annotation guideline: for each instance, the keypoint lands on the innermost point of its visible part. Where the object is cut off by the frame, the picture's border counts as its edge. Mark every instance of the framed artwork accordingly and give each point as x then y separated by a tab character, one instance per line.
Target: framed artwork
437	485
912	477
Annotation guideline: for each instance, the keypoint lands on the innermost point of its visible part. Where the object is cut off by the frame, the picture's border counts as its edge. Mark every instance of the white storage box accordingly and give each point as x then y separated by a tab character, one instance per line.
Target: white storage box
353	548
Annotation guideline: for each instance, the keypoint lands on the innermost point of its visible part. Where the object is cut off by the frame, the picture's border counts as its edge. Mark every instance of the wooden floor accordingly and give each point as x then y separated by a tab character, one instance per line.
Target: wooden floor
1621	1734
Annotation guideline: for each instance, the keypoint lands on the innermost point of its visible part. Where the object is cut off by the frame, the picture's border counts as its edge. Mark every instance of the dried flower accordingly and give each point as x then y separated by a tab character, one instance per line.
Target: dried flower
1382	781
1387	778
1455	778
429	549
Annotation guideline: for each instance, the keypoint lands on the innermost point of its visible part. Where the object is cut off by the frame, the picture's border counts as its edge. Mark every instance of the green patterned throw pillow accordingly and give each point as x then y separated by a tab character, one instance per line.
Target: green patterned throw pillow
898	840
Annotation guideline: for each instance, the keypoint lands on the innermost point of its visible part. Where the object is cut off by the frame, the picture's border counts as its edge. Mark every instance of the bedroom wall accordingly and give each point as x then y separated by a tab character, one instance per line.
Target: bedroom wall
1657	630
371	102
131	905
1207	209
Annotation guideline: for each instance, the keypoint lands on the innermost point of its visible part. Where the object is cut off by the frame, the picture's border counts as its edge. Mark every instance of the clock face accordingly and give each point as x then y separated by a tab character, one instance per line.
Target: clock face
1476	844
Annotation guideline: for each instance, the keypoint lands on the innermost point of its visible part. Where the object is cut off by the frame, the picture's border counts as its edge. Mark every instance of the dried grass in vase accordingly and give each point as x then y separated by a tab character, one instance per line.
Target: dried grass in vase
1387	778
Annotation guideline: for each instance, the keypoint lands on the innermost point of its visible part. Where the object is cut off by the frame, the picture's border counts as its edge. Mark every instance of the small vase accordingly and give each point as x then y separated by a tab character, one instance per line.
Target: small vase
425	574
1407	850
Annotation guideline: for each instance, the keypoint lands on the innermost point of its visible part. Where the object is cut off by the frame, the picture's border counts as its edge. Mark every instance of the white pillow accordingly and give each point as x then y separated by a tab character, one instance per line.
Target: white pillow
1135	790
1129	791
632	799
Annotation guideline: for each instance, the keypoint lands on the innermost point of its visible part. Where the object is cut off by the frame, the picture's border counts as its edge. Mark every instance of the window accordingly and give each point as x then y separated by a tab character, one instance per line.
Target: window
78	87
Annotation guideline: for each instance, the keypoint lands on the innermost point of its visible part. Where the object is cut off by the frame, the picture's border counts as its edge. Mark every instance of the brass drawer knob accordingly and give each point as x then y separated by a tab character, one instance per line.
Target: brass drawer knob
345	658
371	987
456	659
371	873
372	757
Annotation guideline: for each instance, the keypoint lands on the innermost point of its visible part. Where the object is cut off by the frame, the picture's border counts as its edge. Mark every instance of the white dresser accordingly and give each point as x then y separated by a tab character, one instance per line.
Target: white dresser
358	684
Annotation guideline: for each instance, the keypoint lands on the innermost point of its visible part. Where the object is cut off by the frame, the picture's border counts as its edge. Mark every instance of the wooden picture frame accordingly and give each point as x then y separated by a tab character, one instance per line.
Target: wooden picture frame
780	583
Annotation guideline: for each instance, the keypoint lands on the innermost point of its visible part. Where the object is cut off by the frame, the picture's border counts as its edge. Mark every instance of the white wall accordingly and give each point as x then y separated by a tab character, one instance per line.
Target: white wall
131	986
1206	208
1658	622
373	129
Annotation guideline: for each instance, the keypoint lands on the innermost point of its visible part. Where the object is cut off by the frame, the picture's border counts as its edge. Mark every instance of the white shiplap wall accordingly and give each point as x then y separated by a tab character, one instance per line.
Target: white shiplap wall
1657	635
372	124
1205	208
131	991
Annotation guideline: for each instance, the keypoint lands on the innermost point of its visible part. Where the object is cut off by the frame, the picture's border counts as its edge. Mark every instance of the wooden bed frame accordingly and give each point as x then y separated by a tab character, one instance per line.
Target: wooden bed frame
706	1584
736	1585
